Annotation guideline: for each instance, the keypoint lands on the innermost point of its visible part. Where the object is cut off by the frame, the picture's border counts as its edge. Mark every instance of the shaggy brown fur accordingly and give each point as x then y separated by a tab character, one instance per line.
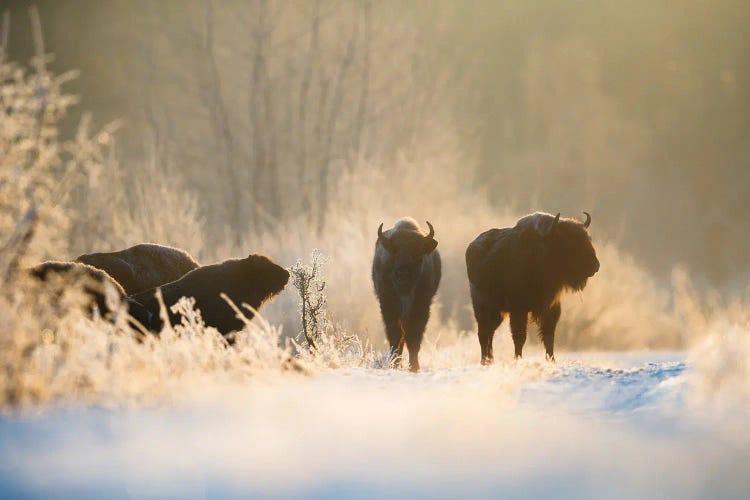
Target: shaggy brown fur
252	280
142	267
522	271
99	289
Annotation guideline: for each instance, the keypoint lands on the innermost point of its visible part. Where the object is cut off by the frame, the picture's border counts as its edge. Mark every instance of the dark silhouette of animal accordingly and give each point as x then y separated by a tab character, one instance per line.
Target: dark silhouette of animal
522	272
406	272
99	289
252	280
142	267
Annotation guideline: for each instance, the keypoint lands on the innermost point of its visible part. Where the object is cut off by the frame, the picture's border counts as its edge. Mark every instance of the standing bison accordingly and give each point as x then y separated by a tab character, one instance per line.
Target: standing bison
406	274
522	271
252	280
142	267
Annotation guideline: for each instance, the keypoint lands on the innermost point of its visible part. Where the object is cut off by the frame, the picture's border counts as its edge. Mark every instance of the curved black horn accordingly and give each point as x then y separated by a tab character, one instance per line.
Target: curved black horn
543	227
432	230
383	239
588	220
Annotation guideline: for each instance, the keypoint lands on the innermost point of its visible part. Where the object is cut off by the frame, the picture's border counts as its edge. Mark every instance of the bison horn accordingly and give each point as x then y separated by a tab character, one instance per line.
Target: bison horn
588	220
543	225
554	223
432	230
387	244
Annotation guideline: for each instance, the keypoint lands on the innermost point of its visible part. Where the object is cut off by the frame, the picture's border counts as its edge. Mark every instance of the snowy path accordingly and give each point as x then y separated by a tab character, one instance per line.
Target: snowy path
605	425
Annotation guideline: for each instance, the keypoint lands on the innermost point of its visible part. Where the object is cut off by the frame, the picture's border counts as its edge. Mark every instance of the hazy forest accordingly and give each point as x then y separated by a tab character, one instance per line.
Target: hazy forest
258	113
228	127
259	125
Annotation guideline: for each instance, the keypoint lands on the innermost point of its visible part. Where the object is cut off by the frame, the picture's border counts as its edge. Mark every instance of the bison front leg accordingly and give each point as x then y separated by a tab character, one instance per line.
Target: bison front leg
413	346
414	334
394	332
518	322
547	325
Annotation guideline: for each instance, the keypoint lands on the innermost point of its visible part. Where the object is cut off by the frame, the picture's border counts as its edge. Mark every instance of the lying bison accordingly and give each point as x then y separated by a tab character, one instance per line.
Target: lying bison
406	274
252	280
98	288
522	271
142	267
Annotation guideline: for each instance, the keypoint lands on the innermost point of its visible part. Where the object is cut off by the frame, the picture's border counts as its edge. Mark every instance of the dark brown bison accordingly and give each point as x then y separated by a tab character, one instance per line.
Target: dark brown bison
406	272
142	267
99	289
252	280
522	271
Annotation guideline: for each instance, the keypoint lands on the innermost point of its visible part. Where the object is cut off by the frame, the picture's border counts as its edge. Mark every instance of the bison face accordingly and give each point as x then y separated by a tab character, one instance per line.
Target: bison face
407	250
266	278
572	246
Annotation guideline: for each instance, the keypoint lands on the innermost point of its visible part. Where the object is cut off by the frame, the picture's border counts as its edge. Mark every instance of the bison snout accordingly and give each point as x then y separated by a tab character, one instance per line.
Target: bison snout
595	267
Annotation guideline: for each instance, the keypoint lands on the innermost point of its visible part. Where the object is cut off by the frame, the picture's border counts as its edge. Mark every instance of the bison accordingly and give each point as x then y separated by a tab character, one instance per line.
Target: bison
522	272
252	280
406	272
142	267
99	289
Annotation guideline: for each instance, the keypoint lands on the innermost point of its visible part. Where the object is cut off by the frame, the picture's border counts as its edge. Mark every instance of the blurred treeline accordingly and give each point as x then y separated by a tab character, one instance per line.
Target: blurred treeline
638	111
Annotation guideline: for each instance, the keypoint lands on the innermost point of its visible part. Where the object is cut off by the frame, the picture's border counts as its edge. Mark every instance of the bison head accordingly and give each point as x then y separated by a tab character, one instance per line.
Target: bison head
266	278
569	248
407	250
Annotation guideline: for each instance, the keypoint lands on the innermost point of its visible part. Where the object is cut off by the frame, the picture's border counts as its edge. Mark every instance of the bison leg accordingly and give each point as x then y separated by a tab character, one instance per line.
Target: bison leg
518	322
413	347
395	334
488	319
414	332
487	323
547	325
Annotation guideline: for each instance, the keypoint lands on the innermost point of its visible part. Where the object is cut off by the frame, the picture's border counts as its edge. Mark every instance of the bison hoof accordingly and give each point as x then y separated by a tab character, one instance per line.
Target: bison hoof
517	357
551	358
487	361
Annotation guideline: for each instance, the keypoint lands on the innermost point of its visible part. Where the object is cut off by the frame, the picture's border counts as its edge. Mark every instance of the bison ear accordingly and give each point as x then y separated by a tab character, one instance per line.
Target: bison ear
430	244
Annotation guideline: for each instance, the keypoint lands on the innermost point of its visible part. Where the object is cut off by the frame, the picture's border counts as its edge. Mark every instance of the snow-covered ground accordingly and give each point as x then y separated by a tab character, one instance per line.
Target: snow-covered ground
593	425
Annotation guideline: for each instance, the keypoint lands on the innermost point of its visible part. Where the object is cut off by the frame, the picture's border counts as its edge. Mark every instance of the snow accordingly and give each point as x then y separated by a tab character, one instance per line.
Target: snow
615	425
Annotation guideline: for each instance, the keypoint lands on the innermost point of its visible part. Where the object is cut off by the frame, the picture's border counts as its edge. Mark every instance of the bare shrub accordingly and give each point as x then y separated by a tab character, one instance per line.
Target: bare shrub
321	340
310	285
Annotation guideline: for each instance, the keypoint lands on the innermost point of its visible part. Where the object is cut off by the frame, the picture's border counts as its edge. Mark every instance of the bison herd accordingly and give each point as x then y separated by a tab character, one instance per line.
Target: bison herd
519	272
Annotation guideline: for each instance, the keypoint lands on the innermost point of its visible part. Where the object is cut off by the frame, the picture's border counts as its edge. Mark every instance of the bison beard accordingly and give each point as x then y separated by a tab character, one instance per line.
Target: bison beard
142	267
522	271
406	274
252	280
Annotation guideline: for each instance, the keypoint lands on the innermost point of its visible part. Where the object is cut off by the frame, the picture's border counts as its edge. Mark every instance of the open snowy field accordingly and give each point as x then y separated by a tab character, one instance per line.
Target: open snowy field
595	425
